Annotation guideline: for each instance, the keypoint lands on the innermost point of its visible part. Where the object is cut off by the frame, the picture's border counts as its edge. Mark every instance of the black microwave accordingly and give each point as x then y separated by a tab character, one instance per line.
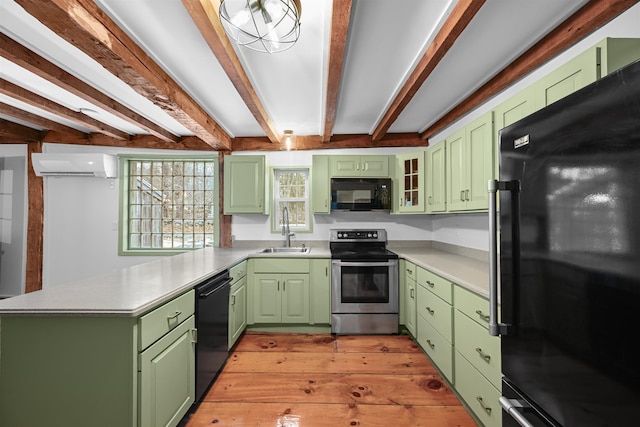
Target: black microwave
360	194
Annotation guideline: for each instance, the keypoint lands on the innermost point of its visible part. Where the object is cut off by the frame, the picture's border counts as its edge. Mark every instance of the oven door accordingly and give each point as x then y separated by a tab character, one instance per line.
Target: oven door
364	286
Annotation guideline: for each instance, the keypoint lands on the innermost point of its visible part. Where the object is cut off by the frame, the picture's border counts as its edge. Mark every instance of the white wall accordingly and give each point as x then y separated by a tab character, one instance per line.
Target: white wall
81	213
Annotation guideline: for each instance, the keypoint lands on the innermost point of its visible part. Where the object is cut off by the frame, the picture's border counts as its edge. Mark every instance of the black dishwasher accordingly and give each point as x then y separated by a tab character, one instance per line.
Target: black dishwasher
212	322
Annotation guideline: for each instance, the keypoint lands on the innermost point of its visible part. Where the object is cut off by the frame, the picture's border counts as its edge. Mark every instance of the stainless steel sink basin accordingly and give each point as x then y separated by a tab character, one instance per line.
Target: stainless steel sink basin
283	250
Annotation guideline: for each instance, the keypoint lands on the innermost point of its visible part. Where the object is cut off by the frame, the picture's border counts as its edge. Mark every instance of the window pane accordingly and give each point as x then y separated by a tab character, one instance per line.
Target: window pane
168	204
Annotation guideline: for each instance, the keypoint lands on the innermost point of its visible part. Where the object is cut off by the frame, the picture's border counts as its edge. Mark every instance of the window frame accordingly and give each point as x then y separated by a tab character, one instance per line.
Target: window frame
275	215
123	196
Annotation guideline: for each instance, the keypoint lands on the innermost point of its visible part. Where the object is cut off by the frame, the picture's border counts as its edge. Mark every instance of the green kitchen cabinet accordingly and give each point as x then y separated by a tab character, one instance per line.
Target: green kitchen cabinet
115	371
410	297
245	185
469	165
320	185
279	290
237	302
281	298
436	196
359	166
410	178
320	292
167	377
596	62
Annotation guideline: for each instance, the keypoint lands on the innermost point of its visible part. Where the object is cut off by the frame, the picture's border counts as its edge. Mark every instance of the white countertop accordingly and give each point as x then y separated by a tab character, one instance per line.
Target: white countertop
135	290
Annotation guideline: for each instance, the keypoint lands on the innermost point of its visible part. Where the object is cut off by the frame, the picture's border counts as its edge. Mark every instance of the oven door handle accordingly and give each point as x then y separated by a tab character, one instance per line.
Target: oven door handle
364	264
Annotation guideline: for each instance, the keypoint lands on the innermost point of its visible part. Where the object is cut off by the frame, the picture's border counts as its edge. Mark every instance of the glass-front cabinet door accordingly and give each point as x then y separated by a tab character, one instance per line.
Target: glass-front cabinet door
411	182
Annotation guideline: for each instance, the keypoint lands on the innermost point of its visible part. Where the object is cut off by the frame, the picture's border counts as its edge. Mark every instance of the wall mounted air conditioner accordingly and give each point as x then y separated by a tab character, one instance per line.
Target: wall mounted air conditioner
75	164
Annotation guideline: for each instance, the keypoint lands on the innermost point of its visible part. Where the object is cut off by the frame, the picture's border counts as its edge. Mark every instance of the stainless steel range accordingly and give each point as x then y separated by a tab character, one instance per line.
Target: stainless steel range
364	283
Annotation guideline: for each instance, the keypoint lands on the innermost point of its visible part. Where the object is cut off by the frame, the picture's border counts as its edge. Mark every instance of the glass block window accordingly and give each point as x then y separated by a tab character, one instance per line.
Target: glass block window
170	204
291	189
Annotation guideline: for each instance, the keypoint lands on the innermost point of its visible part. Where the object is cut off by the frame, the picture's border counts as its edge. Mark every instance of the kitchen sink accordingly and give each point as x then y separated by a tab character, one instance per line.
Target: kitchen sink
283	250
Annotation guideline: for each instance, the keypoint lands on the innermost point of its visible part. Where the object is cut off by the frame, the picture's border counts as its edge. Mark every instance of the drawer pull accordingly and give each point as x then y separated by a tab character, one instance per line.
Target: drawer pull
431	312
411	293
483	316
486	408
174	316
431	284
430	344
409	271
484	356
233	300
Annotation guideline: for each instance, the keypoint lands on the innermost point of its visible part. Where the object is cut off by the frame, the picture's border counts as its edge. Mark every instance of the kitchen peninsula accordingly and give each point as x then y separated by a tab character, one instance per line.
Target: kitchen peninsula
73	355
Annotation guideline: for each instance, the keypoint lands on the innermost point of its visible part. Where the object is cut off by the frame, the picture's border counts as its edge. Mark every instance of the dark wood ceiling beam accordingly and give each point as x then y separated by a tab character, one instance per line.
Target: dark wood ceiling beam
205	15
11	133
14	91
39	121
589	18
340	17
138	141
83	24
31	61
316	142
35	223
458	20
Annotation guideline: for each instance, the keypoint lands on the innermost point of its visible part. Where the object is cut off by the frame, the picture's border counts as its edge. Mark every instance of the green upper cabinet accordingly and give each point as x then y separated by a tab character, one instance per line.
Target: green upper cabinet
436	198
605	57
320	183
244	184
355	166
469	165
410	176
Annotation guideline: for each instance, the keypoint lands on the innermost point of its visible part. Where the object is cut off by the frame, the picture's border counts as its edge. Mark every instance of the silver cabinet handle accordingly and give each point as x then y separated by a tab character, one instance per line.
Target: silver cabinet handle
462	195
431	284
411	293
482	316
278	285
431	312
432	346
409	271
513	407
366	166
466	195
484	356
174	315
486	408
233	300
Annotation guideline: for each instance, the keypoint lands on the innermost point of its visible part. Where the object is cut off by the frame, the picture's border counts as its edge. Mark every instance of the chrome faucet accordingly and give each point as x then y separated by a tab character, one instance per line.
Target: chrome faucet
286	230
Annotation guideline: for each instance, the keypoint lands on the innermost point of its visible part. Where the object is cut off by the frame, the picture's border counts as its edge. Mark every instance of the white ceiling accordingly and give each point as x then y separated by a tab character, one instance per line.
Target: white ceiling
385	41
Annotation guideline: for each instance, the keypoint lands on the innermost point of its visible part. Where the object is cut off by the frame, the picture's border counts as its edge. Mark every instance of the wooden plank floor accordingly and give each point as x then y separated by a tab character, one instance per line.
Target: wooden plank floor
320	380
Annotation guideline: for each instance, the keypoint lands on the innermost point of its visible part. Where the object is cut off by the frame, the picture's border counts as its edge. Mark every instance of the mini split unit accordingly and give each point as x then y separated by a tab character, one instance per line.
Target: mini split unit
75	164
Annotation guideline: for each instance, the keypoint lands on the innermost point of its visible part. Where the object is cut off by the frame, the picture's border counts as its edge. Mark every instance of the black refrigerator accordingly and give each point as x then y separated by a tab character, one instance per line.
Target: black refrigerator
568	259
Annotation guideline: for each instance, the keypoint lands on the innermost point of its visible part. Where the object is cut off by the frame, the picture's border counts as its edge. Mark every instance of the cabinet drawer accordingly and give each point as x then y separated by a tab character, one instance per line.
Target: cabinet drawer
238	271
481	397
436	311
410	270
436	347
474	306
435	284
163	319
479	348
280	265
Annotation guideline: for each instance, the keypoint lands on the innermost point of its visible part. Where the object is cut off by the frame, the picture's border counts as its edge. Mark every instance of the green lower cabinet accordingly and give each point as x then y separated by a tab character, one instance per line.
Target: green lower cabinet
478	393
320	292
439	350
237	310
281	298
167	377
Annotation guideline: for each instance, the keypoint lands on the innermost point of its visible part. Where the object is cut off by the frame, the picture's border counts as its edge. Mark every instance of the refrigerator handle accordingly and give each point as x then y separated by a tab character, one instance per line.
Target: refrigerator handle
493	186
513	408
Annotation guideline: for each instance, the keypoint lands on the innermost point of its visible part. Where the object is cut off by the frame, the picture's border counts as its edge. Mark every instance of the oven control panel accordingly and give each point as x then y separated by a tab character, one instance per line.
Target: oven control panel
377	235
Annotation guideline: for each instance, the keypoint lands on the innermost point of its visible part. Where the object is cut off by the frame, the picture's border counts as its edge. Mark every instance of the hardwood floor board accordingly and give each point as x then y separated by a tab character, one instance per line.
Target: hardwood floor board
265	341
426	390
374	363
305	380
324	415
376	343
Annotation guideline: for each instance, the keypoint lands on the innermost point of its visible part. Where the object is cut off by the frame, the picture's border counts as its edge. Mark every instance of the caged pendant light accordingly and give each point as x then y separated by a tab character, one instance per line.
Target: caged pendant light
263	25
